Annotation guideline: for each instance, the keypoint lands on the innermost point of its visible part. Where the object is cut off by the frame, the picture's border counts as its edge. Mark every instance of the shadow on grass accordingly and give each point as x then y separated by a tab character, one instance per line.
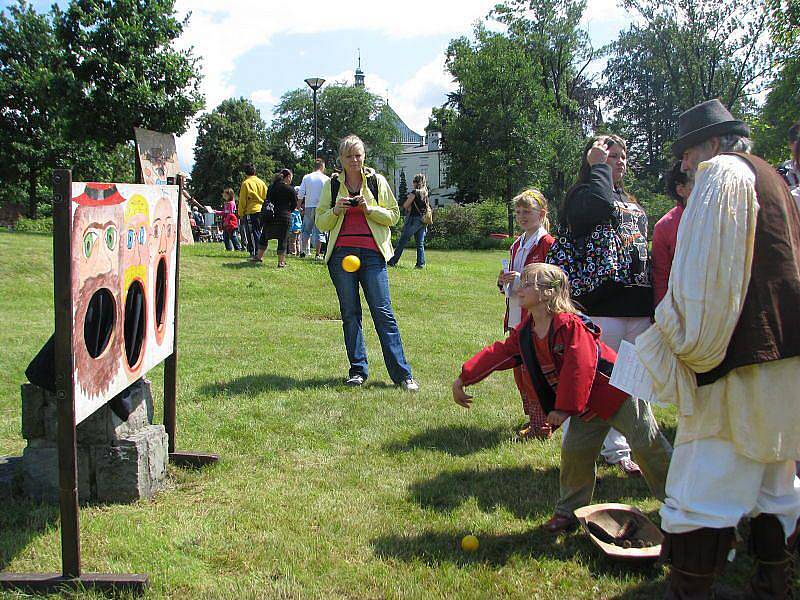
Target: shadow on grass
21	521
454	440
243	264
523	491
271	381
434	548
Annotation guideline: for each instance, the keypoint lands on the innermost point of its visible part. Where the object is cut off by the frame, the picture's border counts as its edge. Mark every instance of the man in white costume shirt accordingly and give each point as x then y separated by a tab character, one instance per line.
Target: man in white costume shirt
725	349
309	193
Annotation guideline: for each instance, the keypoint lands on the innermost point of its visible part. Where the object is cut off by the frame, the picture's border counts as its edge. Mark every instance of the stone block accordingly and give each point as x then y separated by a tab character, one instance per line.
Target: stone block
33	401
40	473
10	475
105	427
134	468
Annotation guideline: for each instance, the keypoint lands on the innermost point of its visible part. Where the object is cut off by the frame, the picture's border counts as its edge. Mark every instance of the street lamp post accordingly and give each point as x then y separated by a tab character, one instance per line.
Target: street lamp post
315	83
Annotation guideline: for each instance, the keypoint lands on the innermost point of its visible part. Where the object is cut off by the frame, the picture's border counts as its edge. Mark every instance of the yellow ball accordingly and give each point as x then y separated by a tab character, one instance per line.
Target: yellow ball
351	263
469	543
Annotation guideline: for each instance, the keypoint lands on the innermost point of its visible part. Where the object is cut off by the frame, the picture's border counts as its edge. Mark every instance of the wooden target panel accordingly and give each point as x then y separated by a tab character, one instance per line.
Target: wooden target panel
123	246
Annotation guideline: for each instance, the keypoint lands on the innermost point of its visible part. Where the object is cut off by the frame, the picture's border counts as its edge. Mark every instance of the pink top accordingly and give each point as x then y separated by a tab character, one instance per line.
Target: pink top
228	208
665	237
355	231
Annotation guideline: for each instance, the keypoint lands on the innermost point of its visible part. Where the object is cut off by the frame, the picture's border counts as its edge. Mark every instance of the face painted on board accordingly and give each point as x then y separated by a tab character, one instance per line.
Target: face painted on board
95	267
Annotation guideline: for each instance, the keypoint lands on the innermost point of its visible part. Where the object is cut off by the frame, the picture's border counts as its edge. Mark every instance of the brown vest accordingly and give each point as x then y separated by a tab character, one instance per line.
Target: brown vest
769	326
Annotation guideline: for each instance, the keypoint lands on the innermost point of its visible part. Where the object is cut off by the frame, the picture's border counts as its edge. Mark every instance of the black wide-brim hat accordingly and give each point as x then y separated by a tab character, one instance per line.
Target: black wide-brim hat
704	121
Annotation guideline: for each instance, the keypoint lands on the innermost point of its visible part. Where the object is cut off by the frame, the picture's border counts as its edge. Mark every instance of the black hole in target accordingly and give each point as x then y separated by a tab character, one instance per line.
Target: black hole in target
134	322
98	324
161	291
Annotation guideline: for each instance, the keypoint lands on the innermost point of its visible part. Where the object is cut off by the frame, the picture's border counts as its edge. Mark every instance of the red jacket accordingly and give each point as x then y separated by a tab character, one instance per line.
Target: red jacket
665	237
574	344
536	254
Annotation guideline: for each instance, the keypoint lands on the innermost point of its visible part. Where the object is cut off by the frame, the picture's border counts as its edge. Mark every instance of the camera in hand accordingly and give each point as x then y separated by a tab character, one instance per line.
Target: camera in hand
352	201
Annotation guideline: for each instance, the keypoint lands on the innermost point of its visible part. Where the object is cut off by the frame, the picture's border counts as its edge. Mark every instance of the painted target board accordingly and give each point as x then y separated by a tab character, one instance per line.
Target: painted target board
123	245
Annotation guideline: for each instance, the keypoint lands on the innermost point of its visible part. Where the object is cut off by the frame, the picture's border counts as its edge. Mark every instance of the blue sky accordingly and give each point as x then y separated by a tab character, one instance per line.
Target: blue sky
260	49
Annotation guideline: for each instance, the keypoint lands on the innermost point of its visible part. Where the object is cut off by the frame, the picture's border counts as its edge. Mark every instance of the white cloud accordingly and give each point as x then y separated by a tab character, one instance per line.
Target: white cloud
263	97
221	33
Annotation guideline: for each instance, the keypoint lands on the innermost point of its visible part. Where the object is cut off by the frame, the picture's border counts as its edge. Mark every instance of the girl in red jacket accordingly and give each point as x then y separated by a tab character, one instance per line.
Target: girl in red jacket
563	359
530	210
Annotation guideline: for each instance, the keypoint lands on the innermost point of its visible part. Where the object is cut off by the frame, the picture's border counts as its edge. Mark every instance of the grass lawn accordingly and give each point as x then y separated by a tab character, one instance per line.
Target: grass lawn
322	490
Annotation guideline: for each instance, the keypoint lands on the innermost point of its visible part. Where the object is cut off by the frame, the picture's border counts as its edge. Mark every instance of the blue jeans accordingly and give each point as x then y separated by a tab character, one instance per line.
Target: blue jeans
374	280
254	232
310	231
413	226
231	239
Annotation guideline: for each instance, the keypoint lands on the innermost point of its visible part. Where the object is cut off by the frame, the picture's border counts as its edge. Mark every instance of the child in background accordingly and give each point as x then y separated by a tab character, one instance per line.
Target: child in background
230	222
564	360
530	209
295	229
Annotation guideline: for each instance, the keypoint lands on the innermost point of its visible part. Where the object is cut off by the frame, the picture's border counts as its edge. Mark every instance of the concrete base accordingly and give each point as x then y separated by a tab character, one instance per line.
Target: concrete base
118	461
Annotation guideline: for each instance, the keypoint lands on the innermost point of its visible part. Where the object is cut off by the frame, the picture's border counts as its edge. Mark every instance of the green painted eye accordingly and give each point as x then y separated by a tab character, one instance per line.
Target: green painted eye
89	239
111	237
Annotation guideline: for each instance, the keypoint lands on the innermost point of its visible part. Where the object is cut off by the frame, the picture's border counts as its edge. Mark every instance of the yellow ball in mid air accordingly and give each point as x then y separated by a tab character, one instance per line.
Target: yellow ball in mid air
469	543
351	263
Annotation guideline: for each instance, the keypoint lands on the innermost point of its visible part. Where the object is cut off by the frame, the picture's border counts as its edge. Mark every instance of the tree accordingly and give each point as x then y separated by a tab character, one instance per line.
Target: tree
494	145
228	137
127	72
32	82
682	53
550	32
341	110
402	188
74	84
781	110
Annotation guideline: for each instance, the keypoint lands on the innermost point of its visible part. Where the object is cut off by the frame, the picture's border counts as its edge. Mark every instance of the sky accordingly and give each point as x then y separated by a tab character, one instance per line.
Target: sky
260	49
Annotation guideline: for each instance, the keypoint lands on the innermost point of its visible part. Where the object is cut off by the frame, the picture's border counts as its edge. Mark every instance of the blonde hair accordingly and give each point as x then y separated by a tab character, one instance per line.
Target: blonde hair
421	185
535	200
348	143
553	282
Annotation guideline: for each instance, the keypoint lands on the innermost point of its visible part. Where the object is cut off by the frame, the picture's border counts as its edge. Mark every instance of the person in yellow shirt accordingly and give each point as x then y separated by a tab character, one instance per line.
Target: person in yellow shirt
251	197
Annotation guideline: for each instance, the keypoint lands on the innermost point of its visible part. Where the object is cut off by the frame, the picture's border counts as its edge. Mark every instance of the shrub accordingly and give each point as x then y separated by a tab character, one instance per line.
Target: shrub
467	226
43	225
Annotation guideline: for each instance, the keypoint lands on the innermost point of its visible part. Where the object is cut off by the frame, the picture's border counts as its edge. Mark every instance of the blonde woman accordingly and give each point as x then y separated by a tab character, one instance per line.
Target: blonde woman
358	208
530	210
569	366
415	205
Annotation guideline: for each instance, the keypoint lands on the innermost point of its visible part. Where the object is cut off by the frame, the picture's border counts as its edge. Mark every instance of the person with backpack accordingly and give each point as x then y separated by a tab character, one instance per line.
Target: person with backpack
358	208
565	361
415	205
230	222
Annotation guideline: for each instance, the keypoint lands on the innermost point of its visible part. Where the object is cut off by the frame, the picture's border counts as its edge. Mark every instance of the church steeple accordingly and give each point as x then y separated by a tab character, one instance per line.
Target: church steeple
359	72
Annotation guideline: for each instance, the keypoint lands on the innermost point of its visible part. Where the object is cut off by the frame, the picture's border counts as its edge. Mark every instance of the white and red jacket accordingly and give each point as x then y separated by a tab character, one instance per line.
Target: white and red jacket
535	254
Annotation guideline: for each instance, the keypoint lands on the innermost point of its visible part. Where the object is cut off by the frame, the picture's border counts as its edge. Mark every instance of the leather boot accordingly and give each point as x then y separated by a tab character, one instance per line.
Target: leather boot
774	555
695	559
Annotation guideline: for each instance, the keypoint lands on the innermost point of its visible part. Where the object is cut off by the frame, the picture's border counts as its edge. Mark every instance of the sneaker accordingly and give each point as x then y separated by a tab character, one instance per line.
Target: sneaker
354	381
302	255
410	385
319	257
630	468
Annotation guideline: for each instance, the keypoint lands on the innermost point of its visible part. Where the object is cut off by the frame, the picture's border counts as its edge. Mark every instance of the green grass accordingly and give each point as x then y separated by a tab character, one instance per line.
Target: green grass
322	491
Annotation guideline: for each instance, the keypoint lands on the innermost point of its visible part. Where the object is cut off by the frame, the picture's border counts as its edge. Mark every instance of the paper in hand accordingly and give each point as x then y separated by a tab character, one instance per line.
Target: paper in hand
631	376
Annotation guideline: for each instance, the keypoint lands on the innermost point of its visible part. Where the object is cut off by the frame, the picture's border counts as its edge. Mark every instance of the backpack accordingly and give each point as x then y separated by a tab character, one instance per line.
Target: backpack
230	222
372	184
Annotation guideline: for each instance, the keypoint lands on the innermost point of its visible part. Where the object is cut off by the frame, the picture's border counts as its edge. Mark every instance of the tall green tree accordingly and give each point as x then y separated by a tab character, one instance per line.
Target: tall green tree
551	33
127	71
228	137
341	110
680	53
33	78
75	82
494	142
782	106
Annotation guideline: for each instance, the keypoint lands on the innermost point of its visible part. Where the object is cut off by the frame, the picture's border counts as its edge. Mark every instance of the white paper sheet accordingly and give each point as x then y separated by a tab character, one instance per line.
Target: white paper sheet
631	376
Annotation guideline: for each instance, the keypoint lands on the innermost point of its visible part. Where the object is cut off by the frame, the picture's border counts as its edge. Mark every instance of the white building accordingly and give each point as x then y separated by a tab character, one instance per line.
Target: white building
420	154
